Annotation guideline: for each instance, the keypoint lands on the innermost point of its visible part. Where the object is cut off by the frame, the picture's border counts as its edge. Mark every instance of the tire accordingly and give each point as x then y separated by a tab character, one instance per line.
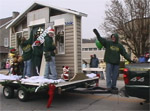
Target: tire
22	95
8	92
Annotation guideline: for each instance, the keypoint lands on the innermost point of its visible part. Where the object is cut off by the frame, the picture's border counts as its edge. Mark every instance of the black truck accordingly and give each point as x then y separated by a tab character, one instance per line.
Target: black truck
137	80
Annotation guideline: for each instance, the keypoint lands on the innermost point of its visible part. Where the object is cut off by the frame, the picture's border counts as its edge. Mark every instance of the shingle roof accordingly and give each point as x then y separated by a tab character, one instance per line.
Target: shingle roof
4	21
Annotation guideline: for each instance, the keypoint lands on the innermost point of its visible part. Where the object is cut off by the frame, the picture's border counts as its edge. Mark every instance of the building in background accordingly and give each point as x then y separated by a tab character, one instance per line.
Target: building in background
4	38
89	49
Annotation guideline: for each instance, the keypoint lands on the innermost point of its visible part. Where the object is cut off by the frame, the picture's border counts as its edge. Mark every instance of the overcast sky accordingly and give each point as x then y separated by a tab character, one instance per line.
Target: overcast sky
94	8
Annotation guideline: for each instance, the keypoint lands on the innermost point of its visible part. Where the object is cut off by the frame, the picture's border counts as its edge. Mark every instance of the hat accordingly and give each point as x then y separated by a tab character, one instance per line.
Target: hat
12	50
37	42
116	35
51	31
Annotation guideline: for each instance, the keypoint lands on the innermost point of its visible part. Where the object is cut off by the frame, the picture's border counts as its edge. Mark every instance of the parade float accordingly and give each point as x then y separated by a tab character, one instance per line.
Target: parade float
67	25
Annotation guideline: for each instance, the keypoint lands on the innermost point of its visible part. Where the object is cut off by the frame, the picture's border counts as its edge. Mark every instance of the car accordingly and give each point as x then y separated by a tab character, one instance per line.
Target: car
137	80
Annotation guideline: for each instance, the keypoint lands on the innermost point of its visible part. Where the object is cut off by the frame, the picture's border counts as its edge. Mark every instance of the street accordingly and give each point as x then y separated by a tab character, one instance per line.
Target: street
75	102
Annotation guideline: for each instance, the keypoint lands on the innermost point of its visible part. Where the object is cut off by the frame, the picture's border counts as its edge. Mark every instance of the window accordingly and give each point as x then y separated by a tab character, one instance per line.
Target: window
83	49
90	49
37	30
18	38
5	42
59	39
95	49
86	49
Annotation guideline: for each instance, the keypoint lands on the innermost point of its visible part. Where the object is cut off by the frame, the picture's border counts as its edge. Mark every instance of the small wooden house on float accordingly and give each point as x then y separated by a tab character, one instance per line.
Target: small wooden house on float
67	24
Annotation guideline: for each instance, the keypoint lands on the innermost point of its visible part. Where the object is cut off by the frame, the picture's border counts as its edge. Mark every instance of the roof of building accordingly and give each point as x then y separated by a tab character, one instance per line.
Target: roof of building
47	5
88	40
5	21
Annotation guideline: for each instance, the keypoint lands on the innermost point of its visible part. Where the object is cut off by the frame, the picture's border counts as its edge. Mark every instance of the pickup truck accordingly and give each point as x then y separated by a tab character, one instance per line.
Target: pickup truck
137	80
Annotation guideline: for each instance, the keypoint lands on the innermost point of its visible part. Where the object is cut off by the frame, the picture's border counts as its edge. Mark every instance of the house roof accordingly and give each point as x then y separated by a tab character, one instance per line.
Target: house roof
5	21
47	5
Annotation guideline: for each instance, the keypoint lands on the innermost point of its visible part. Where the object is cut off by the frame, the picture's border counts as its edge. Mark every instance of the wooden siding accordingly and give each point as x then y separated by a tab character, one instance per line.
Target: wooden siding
13	40
79	44
37	17
66	59
25	34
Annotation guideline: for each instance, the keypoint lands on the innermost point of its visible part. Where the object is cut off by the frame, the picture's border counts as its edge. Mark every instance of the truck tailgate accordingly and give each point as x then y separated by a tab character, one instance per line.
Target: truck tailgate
139	74
139	77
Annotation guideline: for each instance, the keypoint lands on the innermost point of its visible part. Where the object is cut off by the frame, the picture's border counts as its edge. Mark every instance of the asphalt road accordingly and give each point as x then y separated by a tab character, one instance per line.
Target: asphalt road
75	102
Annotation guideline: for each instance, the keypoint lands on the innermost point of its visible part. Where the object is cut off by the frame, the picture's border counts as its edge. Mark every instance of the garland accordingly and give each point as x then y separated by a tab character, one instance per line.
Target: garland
32	89
29	89
6	82
59	38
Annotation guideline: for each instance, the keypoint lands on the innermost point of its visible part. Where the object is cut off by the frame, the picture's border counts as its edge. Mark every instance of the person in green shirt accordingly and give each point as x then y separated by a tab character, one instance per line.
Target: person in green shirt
36	57
113	49
49	48
26	46
37	53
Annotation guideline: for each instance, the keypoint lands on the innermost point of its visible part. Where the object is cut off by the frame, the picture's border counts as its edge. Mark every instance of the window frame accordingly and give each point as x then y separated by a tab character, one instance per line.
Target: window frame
17	45
58	52
6	44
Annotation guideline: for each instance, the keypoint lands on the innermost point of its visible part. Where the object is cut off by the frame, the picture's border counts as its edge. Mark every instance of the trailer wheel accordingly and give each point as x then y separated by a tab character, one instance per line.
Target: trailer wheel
22	95
8	92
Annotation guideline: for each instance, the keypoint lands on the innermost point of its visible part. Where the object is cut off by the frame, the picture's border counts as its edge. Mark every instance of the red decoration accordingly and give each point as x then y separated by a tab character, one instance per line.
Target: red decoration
97	84
51	31
12	50
51	92
65	74
37	41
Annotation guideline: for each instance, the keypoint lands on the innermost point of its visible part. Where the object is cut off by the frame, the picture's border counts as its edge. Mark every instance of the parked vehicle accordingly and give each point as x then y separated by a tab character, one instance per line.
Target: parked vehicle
137	80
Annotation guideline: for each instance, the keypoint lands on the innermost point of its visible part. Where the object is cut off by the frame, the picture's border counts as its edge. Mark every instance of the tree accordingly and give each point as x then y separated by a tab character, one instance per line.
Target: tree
131	20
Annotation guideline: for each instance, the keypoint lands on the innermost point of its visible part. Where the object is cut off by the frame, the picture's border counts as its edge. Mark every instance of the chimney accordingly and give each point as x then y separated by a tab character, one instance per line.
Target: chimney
15	14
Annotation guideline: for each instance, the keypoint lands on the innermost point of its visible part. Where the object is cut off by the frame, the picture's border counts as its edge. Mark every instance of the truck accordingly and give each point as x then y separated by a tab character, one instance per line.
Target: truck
137	81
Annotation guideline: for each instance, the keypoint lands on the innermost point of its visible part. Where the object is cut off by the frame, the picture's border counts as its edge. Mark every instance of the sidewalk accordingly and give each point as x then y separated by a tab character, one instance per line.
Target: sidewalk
120	83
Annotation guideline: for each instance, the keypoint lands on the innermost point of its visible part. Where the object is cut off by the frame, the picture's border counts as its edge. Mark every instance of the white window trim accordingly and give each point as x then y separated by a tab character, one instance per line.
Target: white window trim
64	39
37	22
6	42
16	37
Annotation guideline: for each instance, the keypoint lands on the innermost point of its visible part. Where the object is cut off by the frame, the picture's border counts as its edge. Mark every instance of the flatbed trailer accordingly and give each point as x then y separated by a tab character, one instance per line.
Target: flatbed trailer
25	89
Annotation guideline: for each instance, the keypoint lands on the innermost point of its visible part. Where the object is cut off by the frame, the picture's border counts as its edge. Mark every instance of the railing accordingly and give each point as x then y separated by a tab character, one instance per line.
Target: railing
96	69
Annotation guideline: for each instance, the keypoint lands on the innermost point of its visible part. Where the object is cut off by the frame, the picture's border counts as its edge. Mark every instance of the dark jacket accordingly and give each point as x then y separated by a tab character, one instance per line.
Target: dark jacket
38	50
27	48
48	45
94	62
37	55
113	49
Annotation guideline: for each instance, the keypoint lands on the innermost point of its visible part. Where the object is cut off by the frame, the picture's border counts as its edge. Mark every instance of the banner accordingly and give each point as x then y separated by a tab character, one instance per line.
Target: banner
41	37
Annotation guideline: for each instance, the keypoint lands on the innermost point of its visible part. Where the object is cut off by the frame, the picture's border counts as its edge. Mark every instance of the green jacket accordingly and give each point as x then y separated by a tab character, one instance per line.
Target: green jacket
27	48
113	49
38	50
48	45
37	55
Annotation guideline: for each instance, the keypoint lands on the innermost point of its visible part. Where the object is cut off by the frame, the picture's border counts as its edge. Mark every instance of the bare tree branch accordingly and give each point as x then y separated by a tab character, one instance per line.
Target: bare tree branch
131	19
